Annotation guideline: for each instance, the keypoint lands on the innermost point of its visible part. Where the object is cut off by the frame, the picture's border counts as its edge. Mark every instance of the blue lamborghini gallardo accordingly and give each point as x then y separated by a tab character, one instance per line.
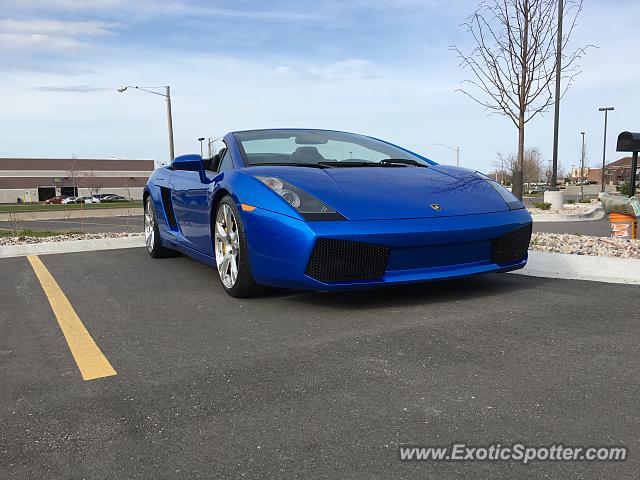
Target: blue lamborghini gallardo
327	210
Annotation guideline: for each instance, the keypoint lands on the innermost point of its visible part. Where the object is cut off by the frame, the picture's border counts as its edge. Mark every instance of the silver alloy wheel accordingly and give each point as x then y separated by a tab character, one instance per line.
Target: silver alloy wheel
227	245
149	225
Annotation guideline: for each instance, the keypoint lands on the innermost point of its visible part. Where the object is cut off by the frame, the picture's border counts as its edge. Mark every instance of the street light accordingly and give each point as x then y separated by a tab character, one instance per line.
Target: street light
167	96
582	169
455	149
606	111
201	139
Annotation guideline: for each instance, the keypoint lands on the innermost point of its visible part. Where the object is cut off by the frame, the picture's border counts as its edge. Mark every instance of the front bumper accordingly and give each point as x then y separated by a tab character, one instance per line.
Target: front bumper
419	249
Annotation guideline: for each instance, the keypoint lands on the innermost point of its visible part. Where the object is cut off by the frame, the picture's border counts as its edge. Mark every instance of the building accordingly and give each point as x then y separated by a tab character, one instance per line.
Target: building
37	179
614	172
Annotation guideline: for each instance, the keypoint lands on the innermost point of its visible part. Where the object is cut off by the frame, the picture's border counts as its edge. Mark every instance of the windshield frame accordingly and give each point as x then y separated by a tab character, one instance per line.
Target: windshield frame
346	136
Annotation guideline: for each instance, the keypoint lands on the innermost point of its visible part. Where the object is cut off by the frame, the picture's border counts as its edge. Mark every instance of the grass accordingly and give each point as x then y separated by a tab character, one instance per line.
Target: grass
41	207
4	233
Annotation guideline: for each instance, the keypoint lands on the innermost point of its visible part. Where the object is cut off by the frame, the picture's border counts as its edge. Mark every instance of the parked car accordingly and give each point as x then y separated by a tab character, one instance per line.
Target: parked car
69	200
87	199
113	198
101	196
54	200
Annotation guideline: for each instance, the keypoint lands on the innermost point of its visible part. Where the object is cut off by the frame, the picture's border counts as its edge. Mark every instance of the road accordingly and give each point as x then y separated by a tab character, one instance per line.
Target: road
87	225
309	385
598	228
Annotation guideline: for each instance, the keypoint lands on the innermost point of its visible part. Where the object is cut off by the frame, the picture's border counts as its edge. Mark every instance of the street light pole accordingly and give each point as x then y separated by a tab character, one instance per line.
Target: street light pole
201	139
606	110
167	91
582	170
455	149
167	97
556	123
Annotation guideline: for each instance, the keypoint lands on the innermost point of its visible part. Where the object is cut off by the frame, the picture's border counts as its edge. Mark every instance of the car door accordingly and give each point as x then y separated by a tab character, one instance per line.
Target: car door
191	200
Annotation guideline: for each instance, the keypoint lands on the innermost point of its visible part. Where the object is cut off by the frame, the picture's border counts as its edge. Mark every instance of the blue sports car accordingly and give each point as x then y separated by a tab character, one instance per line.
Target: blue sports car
327	210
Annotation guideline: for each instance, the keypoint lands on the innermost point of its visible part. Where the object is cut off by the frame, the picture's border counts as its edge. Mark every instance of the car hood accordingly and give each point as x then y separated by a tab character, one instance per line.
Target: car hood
380	193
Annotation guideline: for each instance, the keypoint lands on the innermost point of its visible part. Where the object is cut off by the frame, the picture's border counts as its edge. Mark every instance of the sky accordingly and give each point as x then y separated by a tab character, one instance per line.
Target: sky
378	67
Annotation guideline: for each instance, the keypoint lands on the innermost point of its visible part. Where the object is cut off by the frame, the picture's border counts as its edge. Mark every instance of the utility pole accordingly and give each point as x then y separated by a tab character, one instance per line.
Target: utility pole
201	139
556	123
606	110
582	170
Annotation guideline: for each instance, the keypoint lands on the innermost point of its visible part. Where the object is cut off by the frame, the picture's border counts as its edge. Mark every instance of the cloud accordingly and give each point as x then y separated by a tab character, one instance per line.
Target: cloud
70	89
51	34
56	27
349	69
56	69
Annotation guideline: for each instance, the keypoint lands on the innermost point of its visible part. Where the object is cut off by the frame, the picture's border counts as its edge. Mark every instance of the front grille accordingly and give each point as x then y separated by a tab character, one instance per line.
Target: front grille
511	247
343	260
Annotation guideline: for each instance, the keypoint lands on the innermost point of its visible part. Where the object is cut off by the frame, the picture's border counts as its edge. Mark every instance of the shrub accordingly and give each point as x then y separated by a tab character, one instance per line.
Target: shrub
624	188
542	205
571	202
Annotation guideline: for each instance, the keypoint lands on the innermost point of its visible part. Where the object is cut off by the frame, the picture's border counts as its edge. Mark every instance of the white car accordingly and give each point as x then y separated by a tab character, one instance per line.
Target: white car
87	199
69	200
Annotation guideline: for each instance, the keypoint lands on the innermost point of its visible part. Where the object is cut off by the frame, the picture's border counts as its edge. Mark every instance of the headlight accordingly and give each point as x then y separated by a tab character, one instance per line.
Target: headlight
309	206
510	199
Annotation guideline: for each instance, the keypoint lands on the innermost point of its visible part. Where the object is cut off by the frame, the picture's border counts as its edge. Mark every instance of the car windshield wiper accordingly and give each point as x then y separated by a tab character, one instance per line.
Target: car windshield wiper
402	161
387	162
291	164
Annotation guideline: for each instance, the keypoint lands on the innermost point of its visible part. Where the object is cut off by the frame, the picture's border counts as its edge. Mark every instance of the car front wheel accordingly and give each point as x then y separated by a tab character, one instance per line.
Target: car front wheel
230	246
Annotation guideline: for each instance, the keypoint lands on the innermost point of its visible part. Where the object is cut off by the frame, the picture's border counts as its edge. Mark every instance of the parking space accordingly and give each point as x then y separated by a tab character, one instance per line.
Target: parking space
309	385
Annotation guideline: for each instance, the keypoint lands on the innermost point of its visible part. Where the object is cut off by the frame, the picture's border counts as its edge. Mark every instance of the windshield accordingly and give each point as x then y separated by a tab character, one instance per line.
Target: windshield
321	148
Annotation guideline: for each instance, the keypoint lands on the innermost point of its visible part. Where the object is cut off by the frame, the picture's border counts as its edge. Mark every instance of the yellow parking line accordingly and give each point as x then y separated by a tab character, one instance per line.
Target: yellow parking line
90	360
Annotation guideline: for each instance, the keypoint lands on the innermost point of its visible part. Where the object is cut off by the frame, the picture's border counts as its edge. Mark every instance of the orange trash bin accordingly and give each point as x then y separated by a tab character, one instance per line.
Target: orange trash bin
623	226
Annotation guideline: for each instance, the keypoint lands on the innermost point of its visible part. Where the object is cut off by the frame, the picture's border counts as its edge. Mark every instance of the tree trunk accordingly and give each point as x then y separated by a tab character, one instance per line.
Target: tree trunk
518	174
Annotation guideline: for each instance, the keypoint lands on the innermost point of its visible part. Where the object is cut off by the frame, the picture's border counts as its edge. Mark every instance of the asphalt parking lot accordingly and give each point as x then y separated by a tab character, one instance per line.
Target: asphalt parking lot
309	385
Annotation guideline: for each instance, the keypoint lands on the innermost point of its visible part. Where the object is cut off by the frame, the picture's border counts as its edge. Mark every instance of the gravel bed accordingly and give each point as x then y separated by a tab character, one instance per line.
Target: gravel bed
4	241
567	209
585	245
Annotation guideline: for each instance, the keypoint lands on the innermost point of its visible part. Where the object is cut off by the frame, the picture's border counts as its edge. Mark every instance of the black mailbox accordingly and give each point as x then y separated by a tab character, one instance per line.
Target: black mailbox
628	142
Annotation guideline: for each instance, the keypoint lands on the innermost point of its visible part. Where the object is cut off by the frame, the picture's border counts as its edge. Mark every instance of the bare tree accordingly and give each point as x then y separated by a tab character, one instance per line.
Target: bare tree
93	182
73	167
507	166
514	60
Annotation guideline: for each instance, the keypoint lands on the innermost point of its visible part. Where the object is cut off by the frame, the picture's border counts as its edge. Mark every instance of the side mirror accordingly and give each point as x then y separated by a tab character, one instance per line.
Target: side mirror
191	162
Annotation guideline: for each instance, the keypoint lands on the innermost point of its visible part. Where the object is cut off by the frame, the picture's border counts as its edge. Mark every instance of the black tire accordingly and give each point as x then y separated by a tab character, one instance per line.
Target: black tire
245	286
154	245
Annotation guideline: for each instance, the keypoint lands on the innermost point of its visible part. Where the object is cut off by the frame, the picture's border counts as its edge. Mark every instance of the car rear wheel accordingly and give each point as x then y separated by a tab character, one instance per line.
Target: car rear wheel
230	247
152	232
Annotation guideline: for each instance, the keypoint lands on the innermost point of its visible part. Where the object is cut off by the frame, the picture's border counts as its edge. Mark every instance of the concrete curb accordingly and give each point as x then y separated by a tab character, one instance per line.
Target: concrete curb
64	214
596	213
47	248
582	267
